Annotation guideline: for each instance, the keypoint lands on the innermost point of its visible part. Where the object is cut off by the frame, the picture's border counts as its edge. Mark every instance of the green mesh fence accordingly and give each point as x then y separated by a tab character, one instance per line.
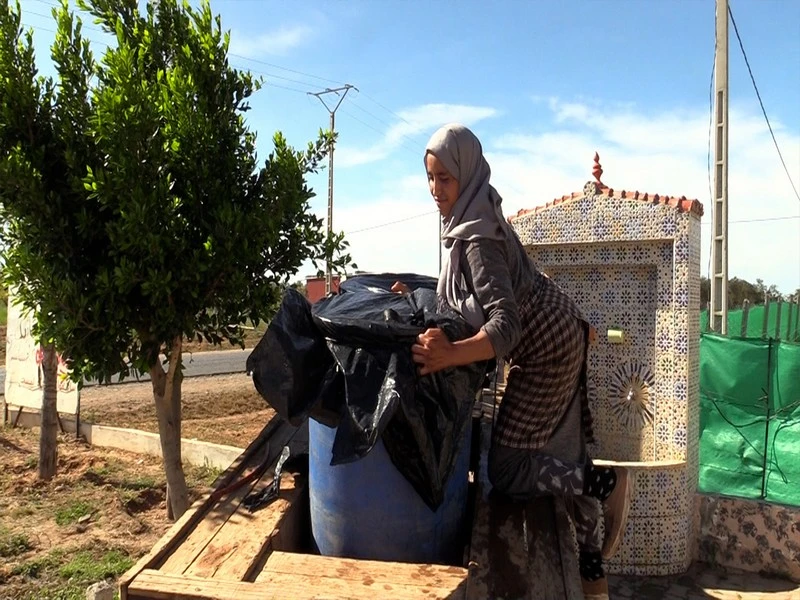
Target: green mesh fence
750	418
784	327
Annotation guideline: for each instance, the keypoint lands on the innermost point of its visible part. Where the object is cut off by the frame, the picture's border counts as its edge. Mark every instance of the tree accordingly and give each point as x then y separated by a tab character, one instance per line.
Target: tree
300	286
44	147
705	291
178	230
740	290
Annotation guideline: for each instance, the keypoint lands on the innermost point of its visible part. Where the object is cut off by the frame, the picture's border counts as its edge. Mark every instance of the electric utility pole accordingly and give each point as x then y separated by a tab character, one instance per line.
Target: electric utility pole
719	216
341	92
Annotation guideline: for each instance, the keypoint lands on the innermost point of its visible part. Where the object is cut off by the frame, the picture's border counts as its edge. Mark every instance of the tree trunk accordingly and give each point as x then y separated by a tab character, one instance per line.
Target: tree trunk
167	396
48	438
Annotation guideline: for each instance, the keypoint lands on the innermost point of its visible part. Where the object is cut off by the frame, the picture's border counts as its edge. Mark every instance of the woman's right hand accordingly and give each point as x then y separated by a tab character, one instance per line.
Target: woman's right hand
400	288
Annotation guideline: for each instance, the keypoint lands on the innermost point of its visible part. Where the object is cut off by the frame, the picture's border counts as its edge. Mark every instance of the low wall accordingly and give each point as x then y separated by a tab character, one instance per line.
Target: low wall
143	442
750	535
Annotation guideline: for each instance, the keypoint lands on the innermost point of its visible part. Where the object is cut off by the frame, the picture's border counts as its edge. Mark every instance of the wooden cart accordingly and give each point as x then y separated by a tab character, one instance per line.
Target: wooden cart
218	550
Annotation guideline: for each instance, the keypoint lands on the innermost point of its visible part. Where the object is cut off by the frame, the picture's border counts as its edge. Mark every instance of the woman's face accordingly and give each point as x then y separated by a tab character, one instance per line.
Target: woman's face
444	187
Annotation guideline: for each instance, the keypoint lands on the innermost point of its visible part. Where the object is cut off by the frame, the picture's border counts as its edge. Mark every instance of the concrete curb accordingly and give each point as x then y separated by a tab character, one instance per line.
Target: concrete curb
142	442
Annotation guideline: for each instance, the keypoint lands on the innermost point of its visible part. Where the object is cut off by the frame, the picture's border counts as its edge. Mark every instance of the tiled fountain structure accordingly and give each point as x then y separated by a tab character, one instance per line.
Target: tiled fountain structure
631	261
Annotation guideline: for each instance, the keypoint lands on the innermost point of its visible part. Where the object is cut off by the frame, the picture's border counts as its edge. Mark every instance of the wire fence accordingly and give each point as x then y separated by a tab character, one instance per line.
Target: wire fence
779	320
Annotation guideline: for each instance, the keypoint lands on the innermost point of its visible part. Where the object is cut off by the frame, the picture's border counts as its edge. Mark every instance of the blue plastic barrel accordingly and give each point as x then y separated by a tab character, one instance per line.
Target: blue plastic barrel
367	509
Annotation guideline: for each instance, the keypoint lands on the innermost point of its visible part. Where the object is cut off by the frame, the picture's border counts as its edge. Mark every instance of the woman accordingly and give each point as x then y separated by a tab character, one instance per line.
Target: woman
539	439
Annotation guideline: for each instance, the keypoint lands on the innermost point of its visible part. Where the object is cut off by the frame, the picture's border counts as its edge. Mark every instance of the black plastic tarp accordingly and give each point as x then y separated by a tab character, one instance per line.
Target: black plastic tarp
346	361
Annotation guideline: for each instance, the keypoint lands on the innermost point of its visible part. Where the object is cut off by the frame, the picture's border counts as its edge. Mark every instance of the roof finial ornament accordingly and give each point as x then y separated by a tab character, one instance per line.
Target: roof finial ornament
597	170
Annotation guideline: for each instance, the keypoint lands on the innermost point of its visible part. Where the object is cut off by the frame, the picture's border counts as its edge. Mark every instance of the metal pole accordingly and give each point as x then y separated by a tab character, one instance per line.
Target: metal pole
328	274
745	317
346	88
719	219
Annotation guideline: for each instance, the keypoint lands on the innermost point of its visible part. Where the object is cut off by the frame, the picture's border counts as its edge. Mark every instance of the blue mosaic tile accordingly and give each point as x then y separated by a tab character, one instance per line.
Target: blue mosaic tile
585	206
595	277
680	393
681	343
664	341
679	437
682	249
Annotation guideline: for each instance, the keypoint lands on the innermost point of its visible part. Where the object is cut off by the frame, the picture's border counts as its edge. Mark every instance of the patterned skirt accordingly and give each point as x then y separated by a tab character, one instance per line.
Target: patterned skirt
547	369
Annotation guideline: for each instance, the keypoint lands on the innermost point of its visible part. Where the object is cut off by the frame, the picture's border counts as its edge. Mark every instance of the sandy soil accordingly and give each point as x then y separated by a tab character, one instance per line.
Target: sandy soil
225	409
103	510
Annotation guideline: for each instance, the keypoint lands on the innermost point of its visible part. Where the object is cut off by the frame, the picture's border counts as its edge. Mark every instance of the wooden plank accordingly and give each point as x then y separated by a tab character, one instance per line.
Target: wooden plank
167	543
245	537
195	540
380	572
155	585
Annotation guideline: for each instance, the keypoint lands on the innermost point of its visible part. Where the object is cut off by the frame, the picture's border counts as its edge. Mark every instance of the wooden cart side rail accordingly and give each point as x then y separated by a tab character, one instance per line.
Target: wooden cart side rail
197	511
230	540
381	572
155	585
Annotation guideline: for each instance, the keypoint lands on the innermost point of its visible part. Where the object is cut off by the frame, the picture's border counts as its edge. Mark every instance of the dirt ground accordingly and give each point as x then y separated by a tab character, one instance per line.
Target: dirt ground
106	508
103	510
224	409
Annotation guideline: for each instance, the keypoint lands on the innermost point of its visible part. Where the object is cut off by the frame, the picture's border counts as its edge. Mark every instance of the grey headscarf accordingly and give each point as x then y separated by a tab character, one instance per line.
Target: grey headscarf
475	215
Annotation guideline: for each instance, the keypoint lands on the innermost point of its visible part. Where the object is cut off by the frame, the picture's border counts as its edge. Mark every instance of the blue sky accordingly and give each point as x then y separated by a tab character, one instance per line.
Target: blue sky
544	85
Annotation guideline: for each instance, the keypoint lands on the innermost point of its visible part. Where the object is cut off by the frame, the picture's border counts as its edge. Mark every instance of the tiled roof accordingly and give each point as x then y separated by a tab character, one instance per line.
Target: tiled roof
681	204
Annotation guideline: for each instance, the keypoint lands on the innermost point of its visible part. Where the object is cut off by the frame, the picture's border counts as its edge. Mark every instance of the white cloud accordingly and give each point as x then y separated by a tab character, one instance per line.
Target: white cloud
406	236
667	153
664	153
276	42
415	121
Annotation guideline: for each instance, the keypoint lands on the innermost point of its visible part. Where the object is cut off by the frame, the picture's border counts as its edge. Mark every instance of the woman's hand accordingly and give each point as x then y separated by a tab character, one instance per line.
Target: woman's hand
400	288
433	351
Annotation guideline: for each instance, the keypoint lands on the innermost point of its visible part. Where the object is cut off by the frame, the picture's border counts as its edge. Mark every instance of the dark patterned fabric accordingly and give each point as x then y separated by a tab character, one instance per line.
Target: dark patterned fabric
547	366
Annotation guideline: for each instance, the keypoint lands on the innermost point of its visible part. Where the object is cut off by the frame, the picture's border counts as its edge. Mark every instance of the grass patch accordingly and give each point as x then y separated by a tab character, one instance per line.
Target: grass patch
141	483
61	591
69	574
85	566
110	466
202	475
32	462
38	566
23	511
70	513
13	544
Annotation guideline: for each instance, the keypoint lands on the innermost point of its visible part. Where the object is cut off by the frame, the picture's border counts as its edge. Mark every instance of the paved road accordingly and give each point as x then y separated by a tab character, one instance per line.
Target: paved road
198	364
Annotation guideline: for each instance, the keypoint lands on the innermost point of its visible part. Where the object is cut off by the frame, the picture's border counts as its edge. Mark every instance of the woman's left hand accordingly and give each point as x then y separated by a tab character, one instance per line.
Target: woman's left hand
433	351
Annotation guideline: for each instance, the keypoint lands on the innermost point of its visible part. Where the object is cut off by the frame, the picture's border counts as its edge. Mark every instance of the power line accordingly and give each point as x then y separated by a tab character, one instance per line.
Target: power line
425	214
295	71
365	124
283	87
370	98
785	218
84	26
761	103
384	121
